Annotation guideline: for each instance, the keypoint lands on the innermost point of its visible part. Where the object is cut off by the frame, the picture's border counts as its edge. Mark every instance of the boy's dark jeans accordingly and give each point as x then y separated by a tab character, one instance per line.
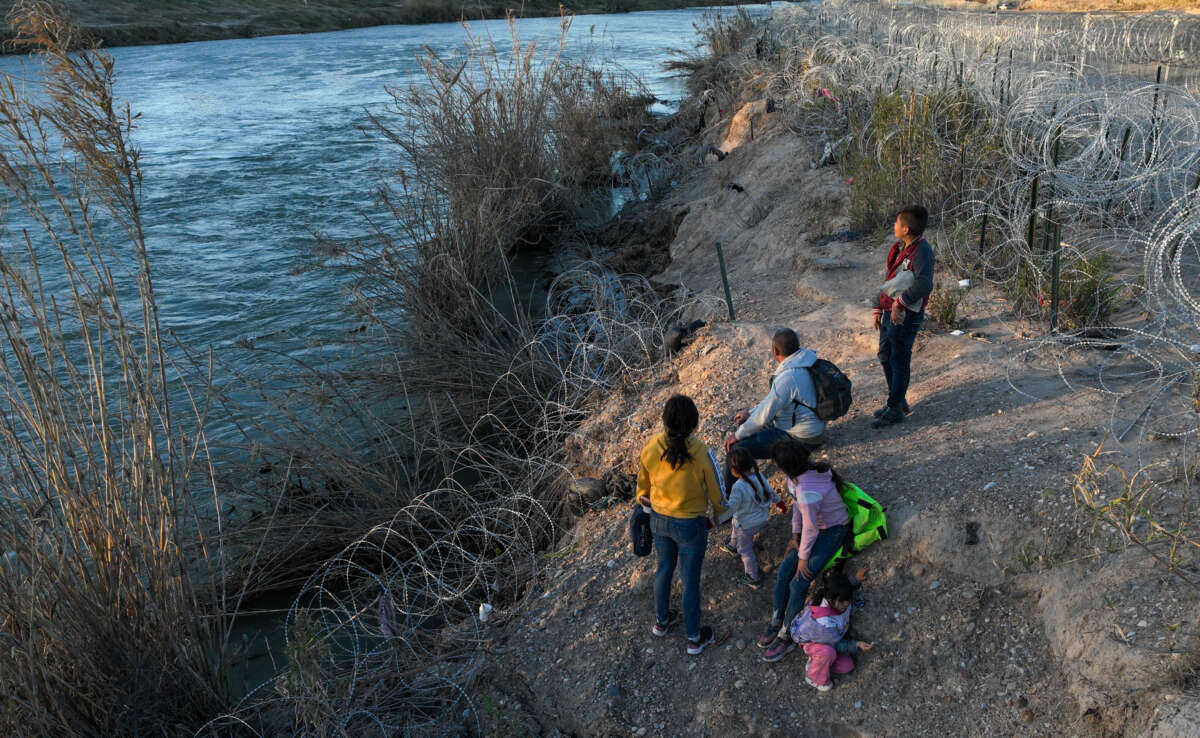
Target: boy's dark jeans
895	354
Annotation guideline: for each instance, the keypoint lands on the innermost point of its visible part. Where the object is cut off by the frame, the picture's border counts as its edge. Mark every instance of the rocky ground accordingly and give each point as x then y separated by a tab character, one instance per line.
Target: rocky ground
995	608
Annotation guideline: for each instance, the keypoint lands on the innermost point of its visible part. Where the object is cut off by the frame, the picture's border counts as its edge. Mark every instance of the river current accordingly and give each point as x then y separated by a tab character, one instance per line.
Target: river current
252	146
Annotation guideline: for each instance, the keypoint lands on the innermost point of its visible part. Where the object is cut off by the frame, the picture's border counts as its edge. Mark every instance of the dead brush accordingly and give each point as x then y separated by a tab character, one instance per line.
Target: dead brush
1155	516
104	628
724	58
944	304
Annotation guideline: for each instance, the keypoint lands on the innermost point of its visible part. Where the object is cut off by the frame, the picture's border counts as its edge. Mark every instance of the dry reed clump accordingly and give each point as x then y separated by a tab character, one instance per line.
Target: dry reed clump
103	626
729	51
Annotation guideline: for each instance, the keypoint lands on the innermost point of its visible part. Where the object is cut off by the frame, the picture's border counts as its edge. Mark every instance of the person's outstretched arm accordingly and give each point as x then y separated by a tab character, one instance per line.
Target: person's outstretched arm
762	414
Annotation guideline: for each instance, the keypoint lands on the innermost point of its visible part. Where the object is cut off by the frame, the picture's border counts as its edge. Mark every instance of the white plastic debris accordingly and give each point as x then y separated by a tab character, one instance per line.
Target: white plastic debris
485	609
964	283
956	332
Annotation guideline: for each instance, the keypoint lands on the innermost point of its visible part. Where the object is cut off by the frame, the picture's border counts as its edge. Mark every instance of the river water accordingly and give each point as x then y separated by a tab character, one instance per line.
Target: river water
251	146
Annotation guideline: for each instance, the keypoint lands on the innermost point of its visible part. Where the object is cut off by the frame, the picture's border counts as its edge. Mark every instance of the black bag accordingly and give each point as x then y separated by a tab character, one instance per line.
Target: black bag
833	390
639	531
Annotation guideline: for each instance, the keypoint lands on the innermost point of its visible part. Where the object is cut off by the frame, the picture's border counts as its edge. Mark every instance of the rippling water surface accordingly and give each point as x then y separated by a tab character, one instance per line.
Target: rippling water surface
250	146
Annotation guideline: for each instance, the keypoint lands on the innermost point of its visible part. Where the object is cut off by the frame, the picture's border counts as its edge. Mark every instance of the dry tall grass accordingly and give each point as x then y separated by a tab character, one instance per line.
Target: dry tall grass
103	629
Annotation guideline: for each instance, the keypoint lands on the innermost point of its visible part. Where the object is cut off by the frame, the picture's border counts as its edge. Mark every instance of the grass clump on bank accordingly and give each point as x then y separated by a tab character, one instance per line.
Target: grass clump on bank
107	626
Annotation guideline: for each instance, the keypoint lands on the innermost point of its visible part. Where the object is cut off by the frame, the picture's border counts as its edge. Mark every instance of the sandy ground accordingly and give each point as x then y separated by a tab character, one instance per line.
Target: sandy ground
1035	629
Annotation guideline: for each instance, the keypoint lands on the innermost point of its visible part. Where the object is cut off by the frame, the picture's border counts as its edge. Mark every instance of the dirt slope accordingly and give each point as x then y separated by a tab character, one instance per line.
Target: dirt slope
1031	630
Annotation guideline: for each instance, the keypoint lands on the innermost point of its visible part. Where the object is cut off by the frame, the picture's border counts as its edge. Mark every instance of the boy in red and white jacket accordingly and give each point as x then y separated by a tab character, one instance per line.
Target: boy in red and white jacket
899	318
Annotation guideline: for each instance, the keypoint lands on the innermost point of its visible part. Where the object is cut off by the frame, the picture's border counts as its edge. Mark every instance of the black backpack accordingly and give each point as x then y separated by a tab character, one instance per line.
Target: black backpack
833	391
639	531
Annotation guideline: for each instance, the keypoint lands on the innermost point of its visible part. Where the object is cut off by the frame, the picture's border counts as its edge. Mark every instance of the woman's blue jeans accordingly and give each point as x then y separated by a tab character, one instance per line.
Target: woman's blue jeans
791	587
684	539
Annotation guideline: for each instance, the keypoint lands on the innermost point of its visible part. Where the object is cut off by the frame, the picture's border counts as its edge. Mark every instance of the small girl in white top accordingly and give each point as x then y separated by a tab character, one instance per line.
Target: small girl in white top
750	502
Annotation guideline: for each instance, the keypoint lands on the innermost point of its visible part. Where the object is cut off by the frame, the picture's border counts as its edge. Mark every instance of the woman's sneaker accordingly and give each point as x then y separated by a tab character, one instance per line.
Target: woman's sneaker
696	646
819	687
769	635
777	650
660	629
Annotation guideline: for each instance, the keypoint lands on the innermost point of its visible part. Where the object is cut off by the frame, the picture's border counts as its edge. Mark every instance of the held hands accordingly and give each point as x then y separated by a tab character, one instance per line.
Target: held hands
898	312
729	441
878	320
802	568
741	416
865	646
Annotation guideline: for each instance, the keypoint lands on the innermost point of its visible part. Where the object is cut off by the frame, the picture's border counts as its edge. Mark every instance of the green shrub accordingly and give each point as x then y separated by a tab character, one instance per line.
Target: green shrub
911	147
1087	293
944	304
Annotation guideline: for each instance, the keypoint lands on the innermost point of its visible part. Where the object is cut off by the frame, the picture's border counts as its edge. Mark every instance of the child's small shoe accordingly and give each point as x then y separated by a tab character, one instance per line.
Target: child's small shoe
750	581
769	635
780	648
729	549
819	687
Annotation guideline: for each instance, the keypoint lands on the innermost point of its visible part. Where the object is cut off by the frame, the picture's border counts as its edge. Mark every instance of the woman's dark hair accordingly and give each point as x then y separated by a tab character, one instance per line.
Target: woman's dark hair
680	418
834	586
793	459
742	462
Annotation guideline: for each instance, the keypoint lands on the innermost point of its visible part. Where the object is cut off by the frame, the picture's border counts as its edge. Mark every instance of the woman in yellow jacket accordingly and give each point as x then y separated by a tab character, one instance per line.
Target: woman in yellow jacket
678	479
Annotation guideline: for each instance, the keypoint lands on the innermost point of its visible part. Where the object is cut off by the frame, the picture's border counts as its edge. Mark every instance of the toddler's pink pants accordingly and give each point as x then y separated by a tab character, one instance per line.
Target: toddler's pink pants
823	659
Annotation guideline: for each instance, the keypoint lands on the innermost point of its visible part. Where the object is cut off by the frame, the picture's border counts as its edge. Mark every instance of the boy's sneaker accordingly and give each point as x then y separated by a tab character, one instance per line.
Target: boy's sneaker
888	417
750	581
727	548
780	648
903	408
660	629
819	687
696	646
769	635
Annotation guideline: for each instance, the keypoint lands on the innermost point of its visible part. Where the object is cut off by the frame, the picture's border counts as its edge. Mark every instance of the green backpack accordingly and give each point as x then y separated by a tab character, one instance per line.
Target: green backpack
867	522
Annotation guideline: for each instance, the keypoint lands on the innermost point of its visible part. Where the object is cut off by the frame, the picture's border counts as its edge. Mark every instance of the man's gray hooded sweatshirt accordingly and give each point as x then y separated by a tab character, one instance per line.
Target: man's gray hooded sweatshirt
788	406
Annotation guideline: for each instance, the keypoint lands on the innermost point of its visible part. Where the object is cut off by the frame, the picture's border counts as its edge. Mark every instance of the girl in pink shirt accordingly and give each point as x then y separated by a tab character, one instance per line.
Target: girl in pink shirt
819	526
